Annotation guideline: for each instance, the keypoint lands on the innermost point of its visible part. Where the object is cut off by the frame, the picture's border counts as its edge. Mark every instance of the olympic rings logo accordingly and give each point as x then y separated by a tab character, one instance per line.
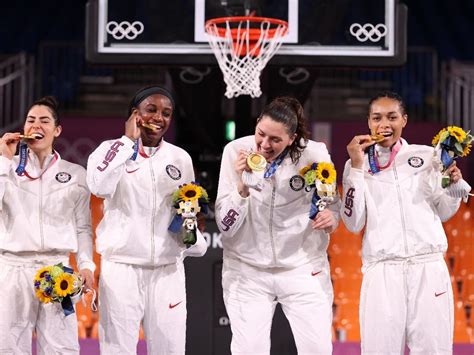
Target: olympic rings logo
124	29
368	31
76	151
191	75
296	76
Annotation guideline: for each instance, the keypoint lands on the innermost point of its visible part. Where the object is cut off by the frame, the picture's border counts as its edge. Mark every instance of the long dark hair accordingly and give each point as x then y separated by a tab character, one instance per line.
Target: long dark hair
390	95
52	104
288	111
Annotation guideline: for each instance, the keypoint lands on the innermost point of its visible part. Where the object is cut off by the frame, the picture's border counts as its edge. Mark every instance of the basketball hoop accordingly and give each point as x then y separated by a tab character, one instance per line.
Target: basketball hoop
243	45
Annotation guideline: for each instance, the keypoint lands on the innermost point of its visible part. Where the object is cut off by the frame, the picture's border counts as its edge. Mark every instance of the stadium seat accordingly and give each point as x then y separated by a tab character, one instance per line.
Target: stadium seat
82	331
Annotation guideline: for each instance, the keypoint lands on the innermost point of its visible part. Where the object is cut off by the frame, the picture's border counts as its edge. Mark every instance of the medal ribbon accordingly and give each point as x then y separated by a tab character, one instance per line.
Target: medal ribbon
23	157
21	169
373	161
135	150
275	164
138	149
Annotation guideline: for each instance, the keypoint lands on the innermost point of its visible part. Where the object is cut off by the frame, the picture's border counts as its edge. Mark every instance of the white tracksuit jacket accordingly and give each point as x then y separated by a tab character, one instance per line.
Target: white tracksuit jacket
270	228
49	215
402	207
138	204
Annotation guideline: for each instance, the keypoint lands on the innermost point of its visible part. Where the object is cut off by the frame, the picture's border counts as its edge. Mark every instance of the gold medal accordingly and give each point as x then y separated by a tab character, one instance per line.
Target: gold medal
376	137
32	136
150	126
256	162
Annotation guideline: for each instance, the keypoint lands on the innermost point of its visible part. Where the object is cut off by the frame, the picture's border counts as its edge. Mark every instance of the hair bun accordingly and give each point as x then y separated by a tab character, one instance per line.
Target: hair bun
49	101
52	103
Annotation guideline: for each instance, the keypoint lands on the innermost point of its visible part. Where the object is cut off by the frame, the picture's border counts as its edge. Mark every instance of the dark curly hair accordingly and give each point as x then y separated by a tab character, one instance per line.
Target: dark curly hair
288	111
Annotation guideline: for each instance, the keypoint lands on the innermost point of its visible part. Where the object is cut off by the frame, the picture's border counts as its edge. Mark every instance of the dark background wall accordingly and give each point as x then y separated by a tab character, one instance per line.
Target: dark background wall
445	25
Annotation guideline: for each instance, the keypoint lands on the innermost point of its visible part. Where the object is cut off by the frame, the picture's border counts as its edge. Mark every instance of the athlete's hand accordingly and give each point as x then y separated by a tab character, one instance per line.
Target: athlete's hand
131	126
324	220
454	173
356	148
87	278
8	144
201	221
240	165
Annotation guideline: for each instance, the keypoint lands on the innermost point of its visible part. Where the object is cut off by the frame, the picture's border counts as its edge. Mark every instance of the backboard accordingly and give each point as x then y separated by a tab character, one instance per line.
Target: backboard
320	32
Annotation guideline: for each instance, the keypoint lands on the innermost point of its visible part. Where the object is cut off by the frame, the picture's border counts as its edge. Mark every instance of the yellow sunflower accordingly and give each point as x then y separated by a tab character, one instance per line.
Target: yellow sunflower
41	272
435	140
458	133
64	284
42	297
190	192
305	169
466	150
326	173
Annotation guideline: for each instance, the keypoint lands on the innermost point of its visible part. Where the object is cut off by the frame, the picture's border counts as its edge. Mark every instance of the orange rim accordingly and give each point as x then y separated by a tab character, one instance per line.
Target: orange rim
254	33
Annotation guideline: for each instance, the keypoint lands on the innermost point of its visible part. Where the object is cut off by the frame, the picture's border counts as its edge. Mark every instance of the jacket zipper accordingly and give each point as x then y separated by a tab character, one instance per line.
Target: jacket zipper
153	187
40	214
401	209
272	241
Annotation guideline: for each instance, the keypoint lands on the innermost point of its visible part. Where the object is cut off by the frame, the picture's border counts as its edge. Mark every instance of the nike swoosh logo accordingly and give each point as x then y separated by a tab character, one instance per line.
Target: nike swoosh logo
315	273
439	294
131	171
171	306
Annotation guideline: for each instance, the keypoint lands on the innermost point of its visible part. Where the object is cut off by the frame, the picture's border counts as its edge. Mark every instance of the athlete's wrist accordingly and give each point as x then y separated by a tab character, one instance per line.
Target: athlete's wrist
243	190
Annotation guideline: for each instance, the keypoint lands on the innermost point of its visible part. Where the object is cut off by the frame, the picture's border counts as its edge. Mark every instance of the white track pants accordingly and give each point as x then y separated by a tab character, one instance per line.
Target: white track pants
21	313
132	294
407	301
305	294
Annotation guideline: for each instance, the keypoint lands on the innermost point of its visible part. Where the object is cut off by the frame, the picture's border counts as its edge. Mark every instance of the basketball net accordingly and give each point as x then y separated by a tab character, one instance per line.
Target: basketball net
243	46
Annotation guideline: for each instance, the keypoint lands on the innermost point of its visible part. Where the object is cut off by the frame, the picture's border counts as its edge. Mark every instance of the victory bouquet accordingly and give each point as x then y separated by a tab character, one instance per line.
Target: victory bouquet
450	144
58	284
322	177
188	200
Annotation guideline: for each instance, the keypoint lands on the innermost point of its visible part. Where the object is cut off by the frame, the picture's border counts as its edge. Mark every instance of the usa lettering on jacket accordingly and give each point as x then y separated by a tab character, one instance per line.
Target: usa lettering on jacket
349	202
229	219
110	155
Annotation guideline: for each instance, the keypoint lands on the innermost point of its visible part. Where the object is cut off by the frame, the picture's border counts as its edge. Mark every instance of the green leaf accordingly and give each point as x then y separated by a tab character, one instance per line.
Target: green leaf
189	237
443	136
458	147
468	139
445	181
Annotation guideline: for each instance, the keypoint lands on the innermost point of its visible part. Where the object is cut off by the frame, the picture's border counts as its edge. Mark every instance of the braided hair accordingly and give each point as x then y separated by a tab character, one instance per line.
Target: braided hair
389	95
